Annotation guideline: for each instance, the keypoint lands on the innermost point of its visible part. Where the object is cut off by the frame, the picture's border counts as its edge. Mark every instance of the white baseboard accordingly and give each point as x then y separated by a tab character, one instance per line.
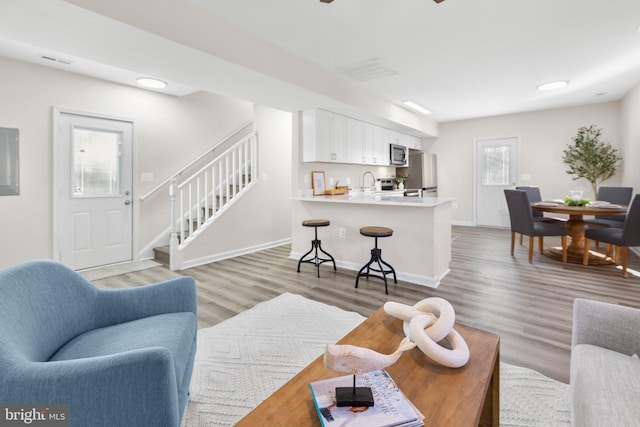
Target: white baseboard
231	254
463	223
431	282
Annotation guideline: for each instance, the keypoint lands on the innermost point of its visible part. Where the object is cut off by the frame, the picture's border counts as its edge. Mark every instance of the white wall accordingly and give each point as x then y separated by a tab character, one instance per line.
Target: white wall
169	132
261	218
630	112
543	137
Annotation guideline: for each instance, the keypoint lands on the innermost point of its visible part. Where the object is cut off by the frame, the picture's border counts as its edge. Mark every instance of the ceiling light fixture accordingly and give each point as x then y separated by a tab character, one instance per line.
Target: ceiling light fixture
417	107
553	85
151	83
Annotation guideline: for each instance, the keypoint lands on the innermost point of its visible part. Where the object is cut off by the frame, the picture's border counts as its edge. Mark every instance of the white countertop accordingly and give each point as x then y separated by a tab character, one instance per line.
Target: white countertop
378	199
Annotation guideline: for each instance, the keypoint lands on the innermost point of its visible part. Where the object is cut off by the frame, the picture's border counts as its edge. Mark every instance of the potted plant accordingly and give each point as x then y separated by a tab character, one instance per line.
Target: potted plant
590	158
400	180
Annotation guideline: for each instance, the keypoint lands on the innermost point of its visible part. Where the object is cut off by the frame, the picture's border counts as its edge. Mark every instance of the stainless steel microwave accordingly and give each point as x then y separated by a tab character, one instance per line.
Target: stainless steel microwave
399	155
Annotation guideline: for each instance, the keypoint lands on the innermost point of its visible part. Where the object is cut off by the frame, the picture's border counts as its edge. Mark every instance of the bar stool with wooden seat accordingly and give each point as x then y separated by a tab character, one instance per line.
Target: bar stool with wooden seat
316	245
376	256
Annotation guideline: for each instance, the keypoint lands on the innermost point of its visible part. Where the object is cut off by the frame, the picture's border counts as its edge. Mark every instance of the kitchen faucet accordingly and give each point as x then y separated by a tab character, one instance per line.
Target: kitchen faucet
373	183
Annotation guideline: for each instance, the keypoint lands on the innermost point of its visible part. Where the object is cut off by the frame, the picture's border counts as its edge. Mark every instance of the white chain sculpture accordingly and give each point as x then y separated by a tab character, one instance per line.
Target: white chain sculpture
421	328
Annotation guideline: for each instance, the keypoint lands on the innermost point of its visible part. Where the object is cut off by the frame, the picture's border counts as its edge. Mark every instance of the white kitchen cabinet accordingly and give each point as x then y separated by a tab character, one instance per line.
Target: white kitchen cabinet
339	141
355	141
409	141
392	137
323	137
334	138
376	150
413	142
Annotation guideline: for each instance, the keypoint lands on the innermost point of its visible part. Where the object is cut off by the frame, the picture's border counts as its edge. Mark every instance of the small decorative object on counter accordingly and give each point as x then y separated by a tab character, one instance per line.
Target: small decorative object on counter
400	179
318	183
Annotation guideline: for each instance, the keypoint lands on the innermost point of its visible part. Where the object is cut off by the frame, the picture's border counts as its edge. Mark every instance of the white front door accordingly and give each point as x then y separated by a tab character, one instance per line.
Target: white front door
496	169
94	214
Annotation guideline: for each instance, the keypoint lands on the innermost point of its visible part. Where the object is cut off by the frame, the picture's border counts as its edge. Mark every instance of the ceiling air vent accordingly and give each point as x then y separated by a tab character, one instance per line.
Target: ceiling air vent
370	69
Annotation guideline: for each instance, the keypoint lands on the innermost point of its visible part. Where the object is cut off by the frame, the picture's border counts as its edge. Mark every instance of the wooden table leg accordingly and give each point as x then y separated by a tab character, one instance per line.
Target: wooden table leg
576	228
491	408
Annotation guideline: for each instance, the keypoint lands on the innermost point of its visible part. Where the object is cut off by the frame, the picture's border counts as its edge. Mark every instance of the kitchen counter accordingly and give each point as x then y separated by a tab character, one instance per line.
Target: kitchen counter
379	198
419	249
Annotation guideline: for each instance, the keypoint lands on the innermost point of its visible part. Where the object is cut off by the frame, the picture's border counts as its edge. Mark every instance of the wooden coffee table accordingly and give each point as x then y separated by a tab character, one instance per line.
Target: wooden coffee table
467	396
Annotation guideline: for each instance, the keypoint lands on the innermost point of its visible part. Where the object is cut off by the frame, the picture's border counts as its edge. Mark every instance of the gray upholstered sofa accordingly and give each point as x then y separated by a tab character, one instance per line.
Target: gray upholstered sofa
605	368
119	357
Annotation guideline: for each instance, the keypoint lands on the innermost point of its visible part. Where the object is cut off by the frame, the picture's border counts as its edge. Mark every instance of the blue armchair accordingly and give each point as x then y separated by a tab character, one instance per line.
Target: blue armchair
119	357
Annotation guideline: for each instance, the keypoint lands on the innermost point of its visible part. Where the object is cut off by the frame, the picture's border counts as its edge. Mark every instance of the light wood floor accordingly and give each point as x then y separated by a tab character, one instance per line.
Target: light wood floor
528	305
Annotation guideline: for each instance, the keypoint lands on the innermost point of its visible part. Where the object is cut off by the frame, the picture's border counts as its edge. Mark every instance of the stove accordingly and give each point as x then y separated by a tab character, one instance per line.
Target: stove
386	183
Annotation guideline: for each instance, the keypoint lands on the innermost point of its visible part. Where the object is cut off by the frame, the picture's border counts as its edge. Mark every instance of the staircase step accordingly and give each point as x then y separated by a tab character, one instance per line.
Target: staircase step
162	254
246	178
195	225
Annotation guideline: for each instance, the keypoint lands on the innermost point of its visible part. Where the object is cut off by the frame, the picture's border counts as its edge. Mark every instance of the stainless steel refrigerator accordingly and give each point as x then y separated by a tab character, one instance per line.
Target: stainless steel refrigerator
423	173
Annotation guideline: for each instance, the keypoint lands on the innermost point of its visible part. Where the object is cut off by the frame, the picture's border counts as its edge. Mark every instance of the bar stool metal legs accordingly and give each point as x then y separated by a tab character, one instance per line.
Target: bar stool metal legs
316	246
376	257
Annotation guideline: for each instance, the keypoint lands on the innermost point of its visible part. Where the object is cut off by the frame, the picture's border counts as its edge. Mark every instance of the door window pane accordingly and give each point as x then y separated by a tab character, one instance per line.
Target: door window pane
9	162
496	166
96	163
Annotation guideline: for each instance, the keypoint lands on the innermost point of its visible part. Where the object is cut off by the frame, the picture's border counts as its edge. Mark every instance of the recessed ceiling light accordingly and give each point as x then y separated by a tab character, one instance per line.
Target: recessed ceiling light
417	107
553	85
151	83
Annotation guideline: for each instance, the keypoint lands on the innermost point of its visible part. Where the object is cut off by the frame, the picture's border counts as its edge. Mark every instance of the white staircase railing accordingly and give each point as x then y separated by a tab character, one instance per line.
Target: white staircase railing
195	161
200	199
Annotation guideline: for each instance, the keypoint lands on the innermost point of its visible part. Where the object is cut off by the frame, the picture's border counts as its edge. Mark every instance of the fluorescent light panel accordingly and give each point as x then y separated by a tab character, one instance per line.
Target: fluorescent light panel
419	108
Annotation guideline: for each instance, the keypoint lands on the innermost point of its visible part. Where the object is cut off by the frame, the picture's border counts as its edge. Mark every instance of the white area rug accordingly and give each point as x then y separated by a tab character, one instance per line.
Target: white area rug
242	360
529	399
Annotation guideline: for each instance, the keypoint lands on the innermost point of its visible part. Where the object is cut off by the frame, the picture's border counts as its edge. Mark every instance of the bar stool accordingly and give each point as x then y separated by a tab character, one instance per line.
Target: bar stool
376	256
316	245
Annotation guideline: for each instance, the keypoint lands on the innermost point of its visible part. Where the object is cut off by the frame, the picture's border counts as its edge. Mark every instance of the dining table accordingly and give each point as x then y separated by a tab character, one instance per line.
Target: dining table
576	227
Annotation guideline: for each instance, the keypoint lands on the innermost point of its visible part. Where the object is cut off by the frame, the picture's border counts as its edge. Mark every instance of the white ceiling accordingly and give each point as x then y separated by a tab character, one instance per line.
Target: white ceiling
461	58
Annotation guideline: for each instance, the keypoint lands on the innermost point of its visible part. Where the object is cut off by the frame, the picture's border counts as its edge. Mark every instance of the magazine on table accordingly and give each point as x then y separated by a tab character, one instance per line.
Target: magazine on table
391	408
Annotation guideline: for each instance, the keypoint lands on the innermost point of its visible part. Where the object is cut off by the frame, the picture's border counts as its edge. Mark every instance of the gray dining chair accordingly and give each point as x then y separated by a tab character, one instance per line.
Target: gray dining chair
535	196
522	222
621	238
616	195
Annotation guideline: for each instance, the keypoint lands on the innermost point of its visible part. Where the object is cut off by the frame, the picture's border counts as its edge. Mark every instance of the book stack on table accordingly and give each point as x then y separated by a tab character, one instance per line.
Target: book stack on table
391	407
